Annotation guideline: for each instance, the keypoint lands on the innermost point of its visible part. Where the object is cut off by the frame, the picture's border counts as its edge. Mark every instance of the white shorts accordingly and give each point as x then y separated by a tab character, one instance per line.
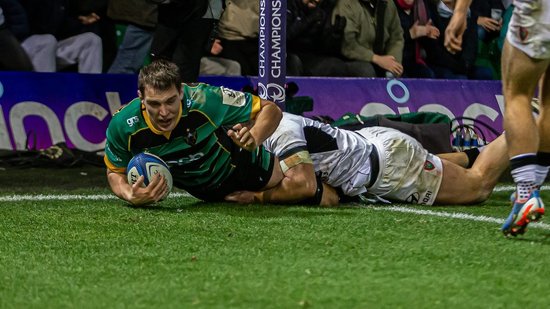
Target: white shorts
529	28
408	173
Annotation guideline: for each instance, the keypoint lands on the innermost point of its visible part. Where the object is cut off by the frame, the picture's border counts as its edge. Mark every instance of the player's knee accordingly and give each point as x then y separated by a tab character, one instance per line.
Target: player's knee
483	192
310	190
488	188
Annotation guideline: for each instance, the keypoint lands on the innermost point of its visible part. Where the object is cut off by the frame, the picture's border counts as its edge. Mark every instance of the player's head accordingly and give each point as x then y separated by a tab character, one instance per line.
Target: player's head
159	88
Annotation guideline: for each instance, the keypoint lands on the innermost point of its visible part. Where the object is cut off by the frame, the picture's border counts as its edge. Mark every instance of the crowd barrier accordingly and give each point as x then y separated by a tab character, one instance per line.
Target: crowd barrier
41	109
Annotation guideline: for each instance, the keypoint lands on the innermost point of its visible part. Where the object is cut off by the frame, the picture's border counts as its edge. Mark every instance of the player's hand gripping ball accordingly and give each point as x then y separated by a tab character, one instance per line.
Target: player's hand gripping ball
148	165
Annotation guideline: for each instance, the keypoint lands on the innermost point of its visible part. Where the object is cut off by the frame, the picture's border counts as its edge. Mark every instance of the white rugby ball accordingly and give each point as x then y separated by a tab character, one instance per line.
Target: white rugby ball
148	165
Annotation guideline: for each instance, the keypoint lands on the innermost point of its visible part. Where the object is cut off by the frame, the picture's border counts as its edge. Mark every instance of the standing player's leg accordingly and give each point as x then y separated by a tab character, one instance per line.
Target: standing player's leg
520	76
543	122
466	186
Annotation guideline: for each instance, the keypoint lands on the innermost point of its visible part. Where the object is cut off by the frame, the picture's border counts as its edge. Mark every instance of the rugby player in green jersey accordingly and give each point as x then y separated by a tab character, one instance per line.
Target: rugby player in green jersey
191	128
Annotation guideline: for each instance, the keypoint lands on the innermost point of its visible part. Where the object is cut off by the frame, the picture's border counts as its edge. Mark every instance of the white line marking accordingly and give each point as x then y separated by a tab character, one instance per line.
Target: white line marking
68	197
454	215
443	214
511	188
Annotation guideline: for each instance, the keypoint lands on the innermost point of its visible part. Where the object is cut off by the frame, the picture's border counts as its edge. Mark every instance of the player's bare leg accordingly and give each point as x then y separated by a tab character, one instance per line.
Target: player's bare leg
520	77
462	158
458	158
473	185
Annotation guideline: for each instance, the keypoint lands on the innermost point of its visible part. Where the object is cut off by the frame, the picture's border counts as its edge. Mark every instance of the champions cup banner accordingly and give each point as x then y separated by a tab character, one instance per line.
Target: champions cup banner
41	109
272	51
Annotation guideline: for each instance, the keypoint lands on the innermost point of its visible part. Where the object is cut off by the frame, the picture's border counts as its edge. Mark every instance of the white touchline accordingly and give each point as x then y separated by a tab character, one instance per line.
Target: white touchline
67	197
444	214
454	215
511	188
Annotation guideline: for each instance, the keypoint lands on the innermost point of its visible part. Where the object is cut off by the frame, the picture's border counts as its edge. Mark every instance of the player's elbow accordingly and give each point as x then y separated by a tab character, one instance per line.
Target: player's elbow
276	114
310	187
306	187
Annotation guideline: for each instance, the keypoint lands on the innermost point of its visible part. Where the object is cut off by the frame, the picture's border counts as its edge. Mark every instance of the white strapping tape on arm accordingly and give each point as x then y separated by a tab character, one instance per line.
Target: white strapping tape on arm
295	159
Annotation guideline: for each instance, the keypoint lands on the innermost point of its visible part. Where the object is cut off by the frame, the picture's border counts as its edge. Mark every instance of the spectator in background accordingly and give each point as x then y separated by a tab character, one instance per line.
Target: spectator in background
488	14
14	21
140	18
182	33
238	34
313	41
92	15
56	43
418	31
457	65
506	16
380	46
211	63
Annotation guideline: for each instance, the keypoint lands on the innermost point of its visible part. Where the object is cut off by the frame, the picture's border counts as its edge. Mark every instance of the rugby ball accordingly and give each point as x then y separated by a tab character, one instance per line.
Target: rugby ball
148	165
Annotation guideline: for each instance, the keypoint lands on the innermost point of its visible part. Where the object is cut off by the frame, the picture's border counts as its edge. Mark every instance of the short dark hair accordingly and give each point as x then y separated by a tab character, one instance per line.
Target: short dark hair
160	74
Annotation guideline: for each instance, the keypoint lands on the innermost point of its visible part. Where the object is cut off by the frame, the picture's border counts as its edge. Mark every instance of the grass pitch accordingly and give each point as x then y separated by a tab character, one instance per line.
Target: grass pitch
77	246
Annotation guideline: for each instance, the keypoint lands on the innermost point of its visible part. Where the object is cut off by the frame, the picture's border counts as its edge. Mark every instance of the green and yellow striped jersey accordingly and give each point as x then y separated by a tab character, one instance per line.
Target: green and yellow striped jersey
198	150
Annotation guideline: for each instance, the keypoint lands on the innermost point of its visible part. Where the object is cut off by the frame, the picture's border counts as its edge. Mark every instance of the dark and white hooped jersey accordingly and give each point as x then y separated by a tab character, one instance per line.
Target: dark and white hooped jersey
341	157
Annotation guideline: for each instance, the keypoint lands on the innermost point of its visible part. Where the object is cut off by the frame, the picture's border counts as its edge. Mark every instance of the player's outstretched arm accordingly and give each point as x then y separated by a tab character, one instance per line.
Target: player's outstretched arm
264	124
298	186
136	194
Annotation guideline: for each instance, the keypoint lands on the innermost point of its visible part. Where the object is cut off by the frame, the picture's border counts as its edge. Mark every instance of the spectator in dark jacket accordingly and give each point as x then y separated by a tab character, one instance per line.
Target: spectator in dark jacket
373	35
488	16
313	41
238	34
13	23
56	40
182	33
418	32
460	65
140	18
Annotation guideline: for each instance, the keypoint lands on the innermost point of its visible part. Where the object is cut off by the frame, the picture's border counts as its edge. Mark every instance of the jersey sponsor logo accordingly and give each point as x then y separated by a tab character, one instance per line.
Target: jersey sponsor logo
131	121
426	198
413	198
232	97
188	102
428	165
185	160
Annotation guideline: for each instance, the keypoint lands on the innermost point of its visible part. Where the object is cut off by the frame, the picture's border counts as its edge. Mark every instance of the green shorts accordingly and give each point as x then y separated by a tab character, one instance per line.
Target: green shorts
252	172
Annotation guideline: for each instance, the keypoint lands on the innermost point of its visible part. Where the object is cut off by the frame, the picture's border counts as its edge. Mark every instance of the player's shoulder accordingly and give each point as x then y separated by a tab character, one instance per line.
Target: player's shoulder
131	108
195	89
197	94
128	117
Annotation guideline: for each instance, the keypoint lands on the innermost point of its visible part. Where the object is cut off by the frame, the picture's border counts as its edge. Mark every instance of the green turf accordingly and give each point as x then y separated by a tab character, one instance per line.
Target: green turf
187	254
